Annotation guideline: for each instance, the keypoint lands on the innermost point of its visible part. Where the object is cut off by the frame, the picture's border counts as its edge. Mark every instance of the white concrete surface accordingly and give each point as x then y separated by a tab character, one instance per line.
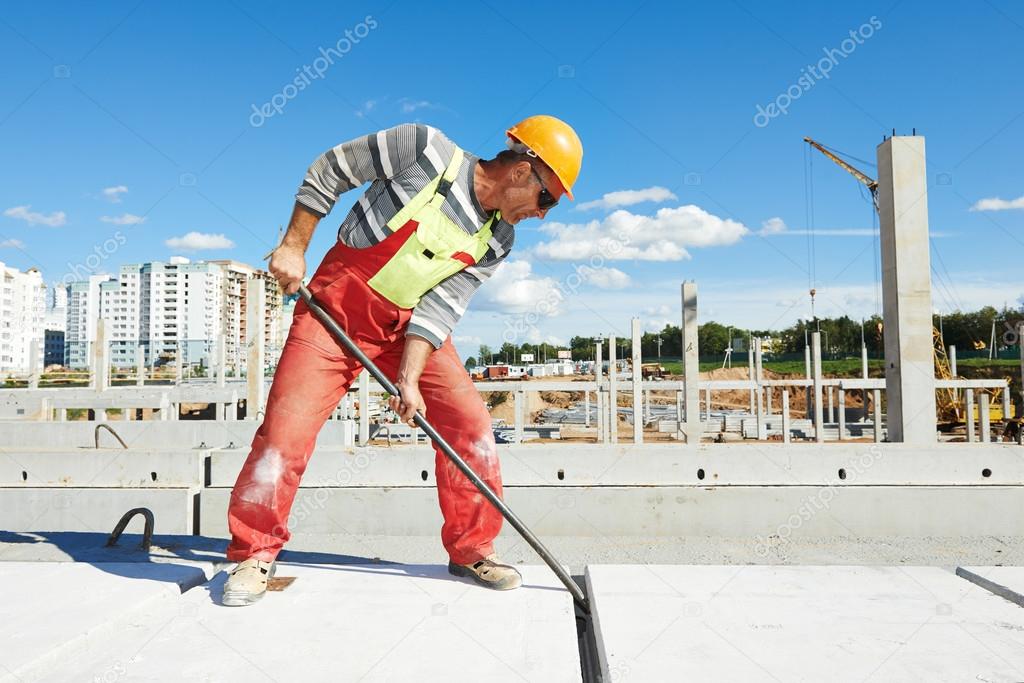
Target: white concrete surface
94	509
691	365
109	467
742	623
766	512
348	623
55	611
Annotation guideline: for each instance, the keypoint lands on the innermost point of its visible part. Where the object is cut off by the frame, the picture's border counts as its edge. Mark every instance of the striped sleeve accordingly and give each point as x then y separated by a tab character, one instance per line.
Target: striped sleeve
383	154
442	307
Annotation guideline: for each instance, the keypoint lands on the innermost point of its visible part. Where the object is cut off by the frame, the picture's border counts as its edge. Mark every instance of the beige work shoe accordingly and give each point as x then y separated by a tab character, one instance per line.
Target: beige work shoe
489	573
247	582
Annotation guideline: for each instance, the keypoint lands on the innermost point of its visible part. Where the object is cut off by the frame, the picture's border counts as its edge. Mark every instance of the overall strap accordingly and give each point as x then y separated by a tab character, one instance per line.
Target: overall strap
429	192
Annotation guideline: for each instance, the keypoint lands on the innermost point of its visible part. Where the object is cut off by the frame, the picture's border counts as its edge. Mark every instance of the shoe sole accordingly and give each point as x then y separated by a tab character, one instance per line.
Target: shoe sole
459	570
245	598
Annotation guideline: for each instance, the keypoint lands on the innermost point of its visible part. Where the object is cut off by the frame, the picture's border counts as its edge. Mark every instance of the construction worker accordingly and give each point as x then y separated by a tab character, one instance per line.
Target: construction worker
434	224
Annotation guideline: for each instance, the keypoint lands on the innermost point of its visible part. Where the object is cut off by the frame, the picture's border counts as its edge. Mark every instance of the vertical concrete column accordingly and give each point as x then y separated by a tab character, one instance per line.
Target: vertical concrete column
969	400
831	404
808	375
768	400
906	290
647	405
222	359
983	417
101	356
364	408
819	426
762	428
750	371
1007	409
586	408
785	415
680	415
613	392
842	414
519	398
33	364
691	364
638	409
256	355
177	363
601	418
952	360
864	375
876	399
140	366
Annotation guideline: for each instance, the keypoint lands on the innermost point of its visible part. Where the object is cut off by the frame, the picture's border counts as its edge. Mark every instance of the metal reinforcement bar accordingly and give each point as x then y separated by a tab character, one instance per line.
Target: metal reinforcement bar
423	424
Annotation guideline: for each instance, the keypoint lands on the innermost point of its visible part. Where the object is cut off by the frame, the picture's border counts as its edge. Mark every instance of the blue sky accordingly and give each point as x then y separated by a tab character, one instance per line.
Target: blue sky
158	99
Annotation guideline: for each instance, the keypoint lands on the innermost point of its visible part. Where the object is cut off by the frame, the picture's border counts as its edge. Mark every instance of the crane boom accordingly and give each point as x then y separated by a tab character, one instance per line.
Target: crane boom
868	181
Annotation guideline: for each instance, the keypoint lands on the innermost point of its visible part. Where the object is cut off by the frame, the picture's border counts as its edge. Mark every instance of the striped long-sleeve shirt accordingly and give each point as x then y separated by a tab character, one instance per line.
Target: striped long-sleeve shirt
398	163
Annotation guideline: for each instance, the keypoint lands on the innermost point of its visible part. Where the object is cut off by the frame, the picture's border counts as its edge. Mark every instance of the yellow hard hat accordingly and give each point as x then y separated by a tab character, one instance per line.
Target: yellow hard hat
555	142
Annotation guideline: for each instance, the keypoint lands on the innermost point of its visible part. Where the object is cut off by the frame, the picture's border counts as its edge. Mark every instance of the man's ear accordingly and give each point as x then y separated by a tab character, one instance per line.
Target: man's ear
521	172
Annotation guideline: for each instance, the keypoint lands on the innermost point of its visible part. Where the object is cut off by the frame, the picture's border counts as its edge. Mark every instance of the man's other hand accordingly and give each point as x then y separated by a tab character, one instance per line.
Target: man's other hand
409	404
288	265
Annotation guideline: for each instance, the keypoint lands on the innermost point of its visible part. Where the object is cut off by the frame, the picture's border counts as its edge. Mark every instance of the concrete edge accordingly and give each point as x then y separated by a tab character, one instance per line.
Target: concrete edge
991	586
602	653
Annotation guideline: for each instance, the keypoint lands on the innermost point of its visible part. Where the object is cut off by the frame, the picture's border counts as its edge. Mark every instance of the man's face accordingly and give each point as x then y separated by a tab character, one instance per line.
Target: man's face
521	196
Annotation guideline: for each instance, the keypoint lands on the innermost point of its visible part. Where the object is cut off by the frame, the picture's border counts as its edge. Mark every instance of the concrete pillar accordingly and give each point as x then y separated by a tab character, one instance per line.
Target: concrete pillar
680	413
221	360
647	405
707	403
1007	408
785	415
906	290
613	392
952	360
256	355
876	399
638	410
364	408
819	427
101	357
969	401
598	362
768	401
586	409
33	364
691	363
831	404
842	414
519	398
983	417
178	374
1020	344
808	375
140	366
864	375
751	375
762	427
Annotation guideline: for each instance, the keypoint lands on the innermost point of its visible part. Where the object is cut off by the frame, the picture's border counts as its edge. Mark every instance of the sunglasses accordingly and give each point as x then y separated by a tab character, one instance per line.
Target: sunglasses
545	200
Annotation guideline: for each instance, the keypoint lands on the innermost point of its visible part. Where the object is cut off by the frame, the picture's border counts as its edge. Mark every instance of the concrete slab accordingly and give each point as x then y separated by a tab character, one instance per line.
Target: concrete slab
767	512
109	467
347	623
666	464
55	610
713	623
95	509
1006	582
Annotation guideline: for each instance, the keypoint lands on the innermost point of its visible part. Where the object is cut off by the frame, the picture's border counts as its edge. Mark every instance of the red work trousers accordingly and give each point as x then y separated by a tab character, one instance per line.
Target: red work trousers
314	373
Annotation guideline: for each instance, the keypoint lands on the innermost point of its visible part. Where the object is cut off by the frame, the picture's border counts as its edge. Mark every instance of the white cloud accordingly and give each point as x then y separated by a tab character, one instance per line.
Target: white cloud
773	226
113	194
12	244
515	289
195	241
123	219
55	219
614	200
367	107
605	278
622	235
410	105
997	204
